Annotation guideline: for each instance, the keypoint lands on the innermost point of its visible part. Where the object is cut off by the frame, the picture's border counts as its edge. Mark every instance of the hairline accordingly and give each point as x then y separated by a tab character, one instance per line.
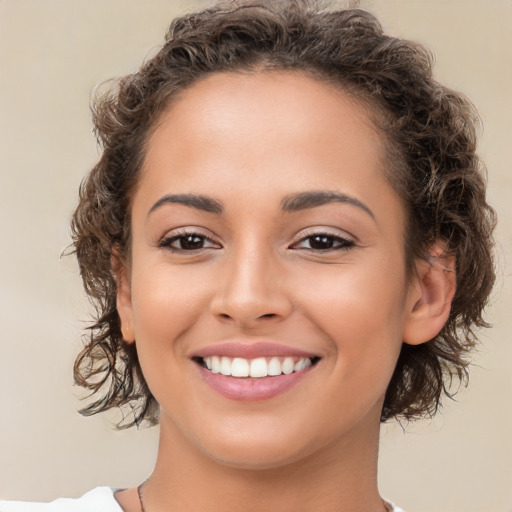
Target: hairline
388	152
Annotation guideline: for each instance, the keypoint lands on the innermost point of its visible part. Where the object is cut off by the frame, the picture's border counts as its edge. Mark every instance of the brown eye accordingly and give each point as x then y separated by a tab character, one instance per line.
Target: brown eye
188	242
323	242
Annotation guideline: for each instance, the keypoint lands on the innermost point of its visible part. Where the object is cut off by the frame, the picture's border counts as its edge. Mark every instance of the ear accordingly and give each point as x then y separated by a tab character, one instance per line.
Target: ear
430	297
123	297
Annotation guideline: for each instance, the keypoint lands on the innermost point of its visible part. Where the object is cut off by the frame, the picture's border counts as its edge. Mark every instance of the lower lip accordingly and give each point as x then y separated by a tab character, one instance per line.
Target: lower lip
251	389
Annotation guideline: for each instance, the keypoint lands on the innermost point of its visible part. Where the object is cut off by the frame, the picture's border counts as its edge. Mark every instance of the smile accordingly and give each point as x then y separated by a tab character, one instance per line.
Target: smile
256	379
257	368
245	371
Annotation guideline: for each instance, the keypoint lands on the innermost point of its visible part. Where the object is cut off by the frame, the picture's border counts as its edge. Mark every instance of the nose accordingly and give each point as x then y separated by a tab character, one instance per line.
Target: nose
251	290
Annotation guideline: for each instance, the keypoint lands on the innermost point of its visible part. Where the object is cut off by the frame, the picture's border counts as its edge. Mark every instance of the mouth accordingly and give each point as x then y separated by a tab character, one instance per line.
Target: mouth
257	371
256	368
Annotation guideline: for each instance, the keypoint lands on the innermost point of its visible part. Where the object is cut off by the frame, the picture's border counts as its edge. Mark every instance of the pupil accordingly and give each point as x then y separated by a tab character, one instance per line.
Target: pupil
321	242
191	242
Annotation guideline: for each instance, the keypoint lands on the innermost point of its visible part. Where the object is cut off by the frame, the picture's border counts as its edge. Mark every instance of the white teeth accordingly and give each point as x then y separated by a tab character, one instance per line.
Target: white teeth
259	367
299	365
287	365
225	365
240	367
274	366
256	368
215	364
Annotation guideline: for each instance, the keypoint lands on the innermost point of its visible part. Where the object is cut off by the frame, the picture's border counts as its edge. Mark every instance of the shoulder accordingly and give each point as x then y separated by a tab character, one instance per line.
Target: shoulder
100	499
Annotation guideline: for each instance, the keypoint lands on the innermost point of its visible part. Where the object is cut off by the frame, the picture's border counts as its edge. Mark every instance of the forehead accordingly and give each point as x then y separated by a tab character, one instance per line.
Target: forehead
283	102
262	133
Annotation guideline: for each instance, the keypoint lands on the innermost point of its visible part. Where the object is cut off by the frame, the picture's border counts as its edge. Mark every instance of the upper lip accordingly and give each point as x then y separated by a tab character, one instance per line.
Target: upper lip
251	350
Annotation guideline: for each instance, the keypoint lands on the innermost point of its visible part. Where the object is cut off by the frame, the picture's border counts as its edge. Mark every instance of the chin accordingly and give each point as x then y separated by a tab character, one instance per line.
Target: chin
256	458
263	448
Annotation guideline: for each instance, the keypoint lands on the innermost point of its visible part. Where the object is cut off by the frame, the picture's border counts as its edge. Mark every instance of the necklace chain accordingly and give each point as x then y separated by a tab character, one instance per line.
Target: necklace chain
139	492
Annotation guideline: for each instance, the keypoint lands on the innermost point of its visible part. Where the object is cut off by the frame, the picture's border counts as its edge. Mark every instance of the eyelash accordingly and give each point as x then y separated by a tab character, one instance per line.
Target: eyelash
343	244
166	242
337	243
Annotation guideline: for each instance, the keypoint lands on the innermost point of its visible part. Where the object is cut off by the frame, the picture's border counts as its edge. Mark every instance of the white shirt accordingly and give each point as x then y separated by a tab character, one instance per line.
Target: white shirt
100	499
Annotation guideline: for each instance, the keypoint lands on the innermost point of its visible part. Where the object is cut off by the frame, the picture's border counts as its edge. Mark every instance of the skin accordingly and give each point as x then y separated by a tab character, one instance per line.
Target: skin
249	142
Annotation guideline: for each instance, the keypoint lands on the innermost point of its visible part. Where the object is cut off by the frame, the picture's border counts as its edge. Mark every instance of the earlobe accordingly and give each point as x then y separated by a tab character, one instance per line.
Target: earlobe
430	297
123	298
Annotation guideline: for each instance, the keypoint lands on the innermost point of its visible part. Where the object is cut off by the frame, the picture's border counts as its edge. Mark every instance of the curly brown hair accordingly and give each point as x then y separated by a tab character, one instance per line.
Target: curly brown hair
430	133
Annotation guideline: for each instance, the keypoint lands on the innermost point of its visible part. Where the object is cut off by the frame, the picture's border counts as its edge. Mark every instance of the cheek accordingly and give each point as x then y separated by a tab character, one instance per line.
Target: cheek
359	291
166	305
166	302
361	311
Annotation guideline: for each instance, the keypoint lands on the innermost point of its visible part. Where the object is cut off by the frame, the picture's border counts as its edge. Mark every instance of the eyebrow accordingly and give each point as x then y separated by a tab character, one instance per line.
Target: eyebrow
313	199
204	203
292	203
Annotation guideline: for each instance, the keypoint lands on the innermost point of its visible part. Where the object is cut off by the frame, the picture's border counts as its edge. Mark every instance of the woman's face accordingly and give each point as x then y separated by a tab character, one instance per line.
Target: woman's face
263	229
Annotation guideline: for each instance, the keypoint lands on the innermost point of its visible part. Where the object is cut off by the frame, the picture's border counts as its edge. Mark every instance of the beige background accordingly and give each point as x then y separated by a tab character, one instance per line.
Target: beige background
52	53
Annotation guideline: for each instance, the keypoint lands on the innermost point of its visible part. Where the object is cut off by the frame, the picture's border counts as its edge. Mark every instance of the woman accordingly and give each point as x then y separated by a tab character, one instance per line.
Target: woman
288	242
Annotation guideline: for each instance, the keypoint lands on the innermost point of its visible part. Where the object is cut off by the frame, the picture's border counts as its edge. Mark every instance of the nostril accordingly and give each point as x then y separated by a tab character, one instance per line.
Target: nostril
268	315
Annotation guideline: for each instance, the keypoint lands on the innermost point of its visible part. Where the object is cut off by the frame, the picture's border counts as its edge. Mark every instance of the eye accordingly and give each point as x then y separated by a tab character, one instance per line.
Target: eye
323	242
188	242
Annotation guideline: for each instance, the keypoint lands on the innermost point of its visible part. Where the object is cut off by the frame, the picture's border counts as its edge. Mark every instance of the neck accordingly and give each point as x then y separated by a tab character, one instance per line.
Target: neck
337	478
